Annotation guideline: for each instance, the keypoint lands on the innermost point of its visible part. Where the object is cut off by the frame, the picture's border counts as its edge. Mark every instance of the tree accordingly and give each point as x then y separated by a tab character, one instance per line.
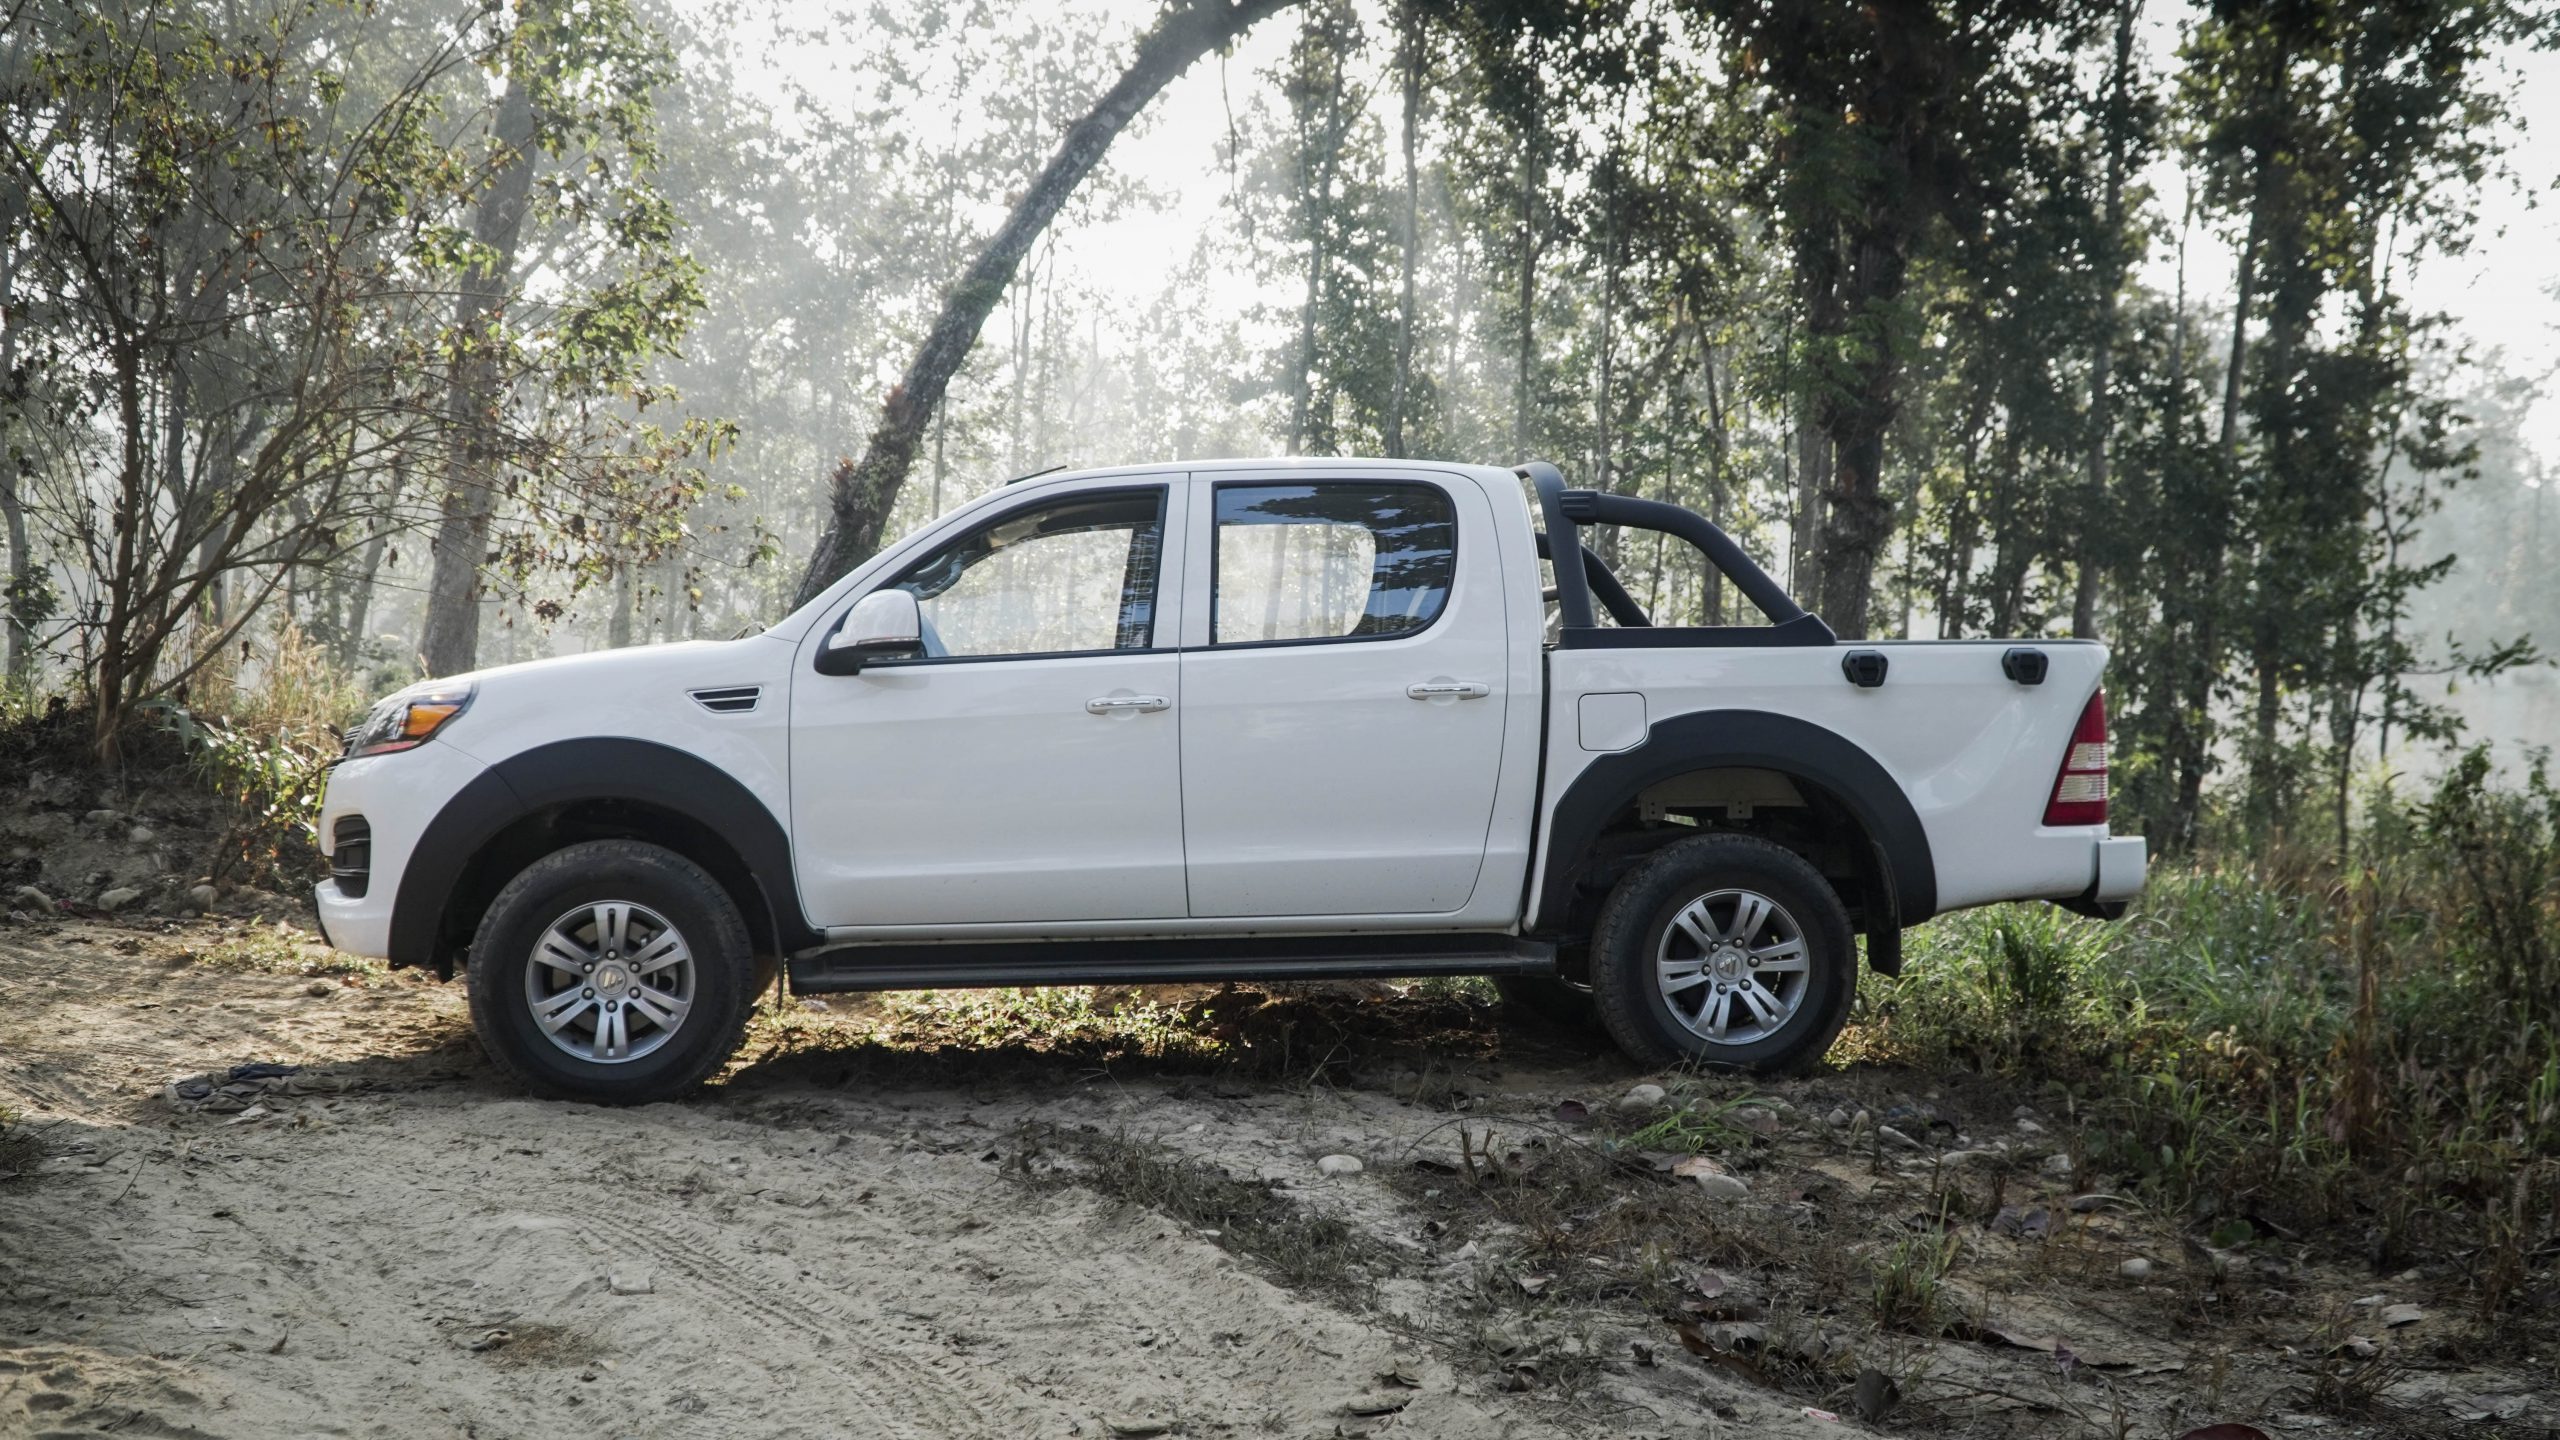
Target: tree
864	490
615	288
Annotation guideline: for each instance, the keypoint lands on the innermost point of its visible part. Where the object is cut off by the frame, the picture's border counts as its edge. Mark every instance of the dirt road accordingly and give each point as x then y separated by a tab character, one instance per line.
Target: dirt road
852	1241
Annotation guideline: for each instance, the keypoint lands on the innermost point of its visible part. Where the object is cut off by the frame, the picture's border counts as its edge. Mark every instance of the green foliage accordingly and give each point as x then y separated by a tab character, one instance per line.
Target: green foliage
2269	1036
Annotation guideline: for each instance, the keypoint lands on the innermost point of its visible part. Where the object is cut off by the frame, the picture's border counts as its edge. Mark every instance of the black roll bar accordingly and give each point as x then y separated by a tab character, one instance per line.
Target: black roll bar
1565	511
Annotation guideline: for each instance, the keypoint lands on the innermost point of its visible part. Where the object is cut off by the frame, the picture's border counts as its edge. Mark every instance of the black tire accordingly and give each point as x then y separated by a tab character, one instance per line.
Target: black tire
1628	946
652	884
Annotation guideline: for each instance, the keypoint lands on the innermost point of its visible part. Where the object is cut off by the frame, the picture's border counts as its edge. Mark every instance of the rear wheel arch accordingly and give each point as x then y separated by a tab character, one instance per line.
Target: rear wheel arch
1596	834
554	796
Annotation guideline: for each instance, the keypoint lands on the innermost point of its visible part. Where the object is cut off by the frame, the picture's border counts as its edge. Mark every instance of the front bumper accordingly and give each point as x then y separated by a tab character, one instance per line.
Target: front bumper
398	795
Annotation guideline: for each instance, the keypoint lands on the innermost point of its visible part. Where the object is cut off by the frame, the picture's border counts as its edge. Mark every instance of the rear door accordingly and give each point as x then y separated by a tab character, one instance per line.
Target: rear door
1346	654
1024	769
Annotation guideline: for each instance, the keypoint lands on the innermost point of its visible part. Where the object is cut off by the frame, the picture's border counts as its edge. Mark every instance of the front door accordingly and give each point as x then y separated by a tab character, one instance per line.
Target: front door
1342	723
1025	767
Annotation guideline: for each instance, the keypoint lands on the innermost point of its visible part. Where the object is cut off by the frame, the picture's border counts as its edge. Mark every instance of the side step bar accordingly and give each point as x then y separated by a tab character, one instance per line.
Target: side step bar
972	964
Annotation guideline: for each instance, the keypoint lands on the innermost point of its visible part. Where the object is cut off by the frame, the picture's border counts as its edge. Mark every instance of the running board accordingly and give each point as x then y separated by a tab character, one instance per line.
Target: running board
970	964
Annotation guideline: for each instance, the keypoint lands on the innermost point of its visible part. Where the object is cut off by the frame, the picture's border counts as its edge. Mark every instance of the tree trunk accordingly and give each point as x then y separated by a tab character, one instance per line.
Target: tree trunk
864	490
2084	590
1813	462
13	510
452	640
1409	57
1522	397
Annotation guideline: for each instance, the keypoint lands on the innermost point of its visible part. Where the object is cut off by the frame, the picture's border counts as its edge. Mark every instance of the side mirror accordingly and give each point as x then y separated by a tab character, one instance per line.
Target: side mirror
883	625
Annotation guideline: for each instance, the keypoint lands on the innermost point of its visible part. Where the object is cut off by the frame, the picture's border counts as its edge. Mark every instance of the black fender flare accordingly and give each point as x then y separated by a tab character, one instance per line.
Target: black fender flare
1717	739
565	772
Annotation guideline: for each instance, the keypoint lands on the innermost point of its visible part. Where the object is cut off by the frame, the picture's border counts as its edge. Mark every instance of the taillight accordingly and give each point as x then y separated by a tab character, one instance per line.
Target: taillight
2080	789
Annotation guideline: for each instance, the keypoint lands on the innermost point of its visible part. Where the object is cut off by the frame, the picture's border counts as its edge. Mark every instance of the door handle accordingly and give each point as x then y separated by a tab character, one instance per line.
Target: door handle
1434	689
1123	704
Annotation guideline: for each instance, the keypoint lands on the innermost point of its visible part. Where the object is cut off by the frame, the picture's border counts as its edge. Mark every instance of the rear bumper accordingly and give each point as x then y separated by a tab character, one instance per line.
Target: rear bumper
2120	863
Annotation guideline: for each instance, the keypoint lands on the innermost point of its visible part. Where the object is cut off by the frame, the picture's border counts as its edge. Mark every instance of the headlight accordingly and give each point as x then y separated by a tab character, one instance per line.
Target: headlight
407	720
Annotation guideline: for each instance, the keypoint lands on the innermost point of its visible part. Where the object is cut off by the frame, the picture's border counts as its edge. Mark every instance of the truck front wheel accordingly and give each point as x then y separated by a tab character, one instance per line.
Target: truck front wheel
1724	950
614	971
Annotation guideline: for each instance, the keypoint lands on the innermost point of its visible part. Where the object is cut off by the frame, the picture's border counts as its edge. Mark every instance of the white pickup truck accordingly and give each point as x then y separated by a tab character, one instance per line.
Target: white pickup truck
1231	720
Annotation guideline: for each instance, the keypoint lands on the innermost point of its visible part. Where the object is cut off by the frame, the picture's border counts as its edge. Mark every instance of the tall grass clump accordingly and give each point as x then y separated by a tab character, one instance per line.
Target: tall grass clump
261	737
2370	1050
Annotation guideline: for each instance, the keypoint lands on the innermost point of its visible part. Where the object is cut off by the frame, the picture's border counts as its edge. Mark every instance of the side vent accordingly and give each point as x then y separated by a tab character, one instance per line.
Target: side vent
351	856
729	699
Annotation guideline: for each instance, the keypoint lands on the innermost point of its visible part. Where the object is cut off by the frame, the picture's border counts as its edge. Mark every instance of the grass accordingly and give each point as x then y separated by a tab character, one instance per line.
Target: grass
19	1147
281	950
2366	1052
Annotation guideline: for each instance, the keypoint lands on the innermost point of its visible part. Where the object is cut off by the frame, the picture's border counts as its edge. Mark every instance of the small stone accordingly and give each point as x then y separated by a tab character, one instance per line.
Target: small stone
1760	1122
1838	1119
630	1282
2056	1164
2029	1127
144	835
1887	1132
1724	1187
1340	1165
2136	1268
319	987
1641	1098
204	896
104	817
29	897
1958	1159
118	898
1863	1120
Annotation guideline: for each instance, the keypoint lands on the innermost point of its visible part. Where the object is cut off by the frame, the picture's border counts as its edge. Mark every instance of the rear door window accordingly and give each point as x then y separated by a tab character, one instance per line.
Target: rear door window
1333	560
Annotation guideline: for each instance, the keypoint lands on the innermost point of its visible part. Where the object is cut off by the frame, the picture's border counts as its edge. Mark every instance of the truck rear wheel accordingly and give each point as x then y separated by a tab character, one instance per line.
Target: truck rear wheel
1724	950
613	971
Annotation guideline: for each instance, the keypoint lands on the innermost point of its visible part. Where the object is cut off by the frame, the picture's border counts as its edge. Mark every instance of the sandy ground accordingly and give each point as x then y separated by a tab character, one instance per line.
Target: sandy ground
393	1244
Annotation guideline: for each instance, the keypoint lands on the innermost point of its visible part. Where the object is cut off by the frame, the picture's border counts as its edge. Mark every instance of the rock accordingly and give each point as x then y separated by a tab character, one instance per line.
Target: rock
143	835
1961	1158
2395	1316
630	1282
1760	1122
118	898
1340	1165
319	988
1641	1099
104	817
205	896
1724	1187
1838	1119
2056	1164
2029	1127
1888	1133
2136	1268
1862	1121
29	897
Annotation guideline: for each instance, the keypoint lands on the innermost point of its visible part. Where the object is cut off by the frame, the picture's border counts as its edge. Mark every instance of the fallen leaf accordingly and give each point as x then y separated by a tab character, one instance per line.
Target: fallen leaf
1573	1112
1692	1166
1707	1283
1133	1427
1535	1284
1374	1405
1400	1373
1823	1415
2395	1316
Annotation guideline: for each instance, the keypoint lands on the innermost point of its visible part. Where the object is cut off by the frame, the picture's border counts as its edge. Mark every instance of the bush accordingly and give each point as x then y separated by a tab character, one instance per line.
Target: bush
2269	1036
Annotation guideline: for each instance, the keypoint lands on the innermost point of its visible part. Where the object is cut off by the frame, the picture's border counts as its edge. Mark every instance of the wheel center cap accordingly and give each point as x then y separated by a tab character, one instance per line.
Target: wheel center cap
1728	963
611	978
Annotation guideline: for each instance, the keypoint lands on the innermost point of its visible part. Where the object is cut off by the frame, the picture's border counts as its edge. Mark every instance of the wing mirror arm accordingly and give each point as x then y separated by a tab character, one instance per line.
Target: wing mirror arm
883	625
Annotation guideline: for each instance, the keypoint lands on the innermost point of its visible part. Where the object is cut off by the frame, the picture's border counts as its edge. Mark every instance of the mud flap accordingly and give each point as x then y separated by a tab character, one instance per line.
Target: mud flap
1884	951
